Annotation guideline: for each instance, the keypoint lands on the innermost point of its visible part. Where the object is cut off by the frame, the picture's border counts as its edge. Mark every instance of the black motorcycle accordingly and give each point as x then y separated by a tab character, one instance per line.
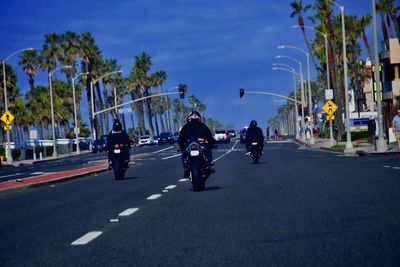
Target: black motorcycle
255	151
197	164
120	160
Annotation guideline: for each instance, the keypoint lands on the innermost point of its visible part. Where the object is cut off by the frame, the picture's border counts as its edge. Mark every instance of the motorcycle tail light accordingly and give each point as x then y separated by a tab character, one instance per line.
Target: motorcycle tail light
116	146
193	146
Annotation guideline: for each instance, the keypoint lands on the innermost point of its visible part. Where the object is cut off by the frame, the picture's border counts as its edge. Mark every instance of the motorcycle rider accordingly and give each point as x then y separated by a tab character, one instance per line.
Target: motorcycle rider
193	130
254	133
118	136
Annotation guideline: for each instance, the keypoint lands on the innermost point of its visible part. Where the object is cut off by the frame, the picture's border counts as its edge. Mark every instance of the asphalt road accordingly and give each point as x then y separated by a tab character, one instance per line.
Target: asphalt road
296	208
81	161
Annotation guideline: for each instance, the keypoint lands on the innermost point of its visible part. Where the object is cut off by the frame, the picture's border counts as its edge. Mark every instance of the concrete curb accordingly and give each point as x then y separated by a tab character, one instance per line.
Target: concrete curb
23	187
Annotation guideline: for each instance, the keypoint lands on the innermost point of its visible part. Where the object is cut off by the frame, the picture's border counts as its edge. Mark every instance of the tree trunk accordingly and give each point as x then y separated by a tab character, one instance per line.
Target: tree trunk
132	121
162	122
149	117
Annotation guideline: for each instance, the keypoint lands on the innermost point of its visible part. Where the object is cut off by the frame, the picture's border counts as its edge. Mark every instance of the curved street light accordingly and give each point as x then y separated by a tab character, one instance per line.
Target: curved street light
278	66
349	144
312	140
76	128
303	136
92	97
331	140
8	150
287	68
52	109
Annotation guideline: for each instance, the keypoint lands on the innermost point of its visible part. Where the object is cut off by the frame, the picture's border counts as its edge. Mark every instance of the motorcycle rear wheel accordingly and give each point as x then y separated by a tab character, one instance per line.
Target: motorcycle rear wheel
118	168
198	182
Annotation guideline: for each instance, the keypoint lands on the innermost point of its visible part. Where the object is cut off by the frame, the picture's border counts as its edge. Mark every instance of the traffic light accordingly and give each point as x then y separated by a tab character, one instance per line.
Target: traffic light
241	92
181	91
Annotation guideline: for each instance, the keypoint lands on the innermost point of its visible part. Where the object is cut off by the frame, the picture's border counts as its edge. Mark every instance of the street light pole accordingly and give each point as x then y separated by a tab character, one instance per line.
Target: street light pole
381	145
53	130
331	140
303	136
349	144
8	150
312	140
92	98
296	125
76	128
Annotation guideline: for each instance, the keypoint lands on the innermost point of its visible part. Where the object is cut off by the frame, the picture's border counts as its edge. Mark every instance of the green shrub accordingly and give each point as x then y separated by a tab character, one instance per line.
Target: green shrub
16	153
356	135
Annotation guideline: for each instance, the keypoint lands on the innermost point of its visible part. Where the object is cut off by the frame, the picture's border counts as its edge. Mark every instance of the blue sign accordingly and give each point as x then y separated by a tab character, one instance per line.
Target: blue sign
360	121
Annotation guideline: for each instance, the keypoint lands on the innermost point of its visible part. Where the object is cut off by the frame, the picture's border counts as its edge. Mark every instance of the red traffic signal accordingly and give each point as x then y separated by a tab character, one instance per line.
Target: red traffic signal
241	92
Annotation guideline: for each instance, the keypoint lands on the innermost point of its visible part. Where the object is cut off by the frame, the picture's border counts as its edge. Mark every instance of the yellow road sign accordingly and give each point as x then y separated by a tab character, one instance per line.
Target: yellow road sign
7	117
330	107
7	127
330	117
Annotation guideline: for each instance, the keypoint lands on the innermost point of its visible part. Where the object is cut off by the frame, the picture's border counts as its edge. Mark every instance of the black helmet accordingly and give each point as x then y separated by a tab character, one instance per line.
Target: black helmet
193	116
117	126
253	124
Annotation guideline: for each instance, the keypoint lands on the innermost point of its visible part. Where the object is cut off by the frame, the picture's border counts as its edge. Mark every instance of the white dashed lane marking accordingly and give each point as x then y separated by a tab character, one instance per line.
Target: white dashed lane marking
155	196
386	166
170	157
170	187
158	151
128	212
86	238
183	180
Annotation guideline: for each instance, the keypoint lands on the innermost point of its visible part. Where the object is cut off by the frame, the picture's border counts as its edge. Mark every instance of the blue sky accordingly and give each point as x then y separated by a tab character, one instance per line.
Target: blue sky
215	47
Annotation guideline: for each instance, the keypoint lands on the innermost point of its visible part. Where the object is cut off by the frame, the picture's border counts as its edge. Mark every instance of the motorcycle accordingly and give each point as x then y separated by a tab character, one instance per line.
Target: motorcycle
119	161
255	151
197	164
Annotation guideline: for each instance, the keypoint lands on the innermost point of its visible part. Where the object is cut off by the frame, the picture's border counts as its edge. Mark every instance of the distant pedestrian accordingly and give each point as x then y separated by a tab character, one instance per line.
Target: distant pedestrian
276	134
396	127
268	133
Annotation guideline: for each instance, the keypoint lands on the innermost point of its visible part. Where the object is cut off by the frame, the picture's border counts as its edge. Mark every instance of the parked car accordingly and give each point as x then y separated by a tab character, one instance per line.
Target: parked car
99	145
243	135
155	139
221	136
166	138
146	140
231	133
176	136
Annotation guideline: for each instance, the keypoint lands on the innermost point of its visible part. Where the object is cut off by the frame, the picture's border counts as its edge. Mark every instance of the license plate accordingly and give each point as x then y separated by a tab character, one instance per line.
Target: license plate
194	153
117	151
254	144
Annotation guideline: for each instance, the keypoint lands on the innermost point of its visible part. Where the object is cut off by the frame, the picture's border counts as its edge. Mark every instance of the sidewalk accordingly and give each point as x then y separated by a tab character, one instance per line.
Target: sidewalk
361	149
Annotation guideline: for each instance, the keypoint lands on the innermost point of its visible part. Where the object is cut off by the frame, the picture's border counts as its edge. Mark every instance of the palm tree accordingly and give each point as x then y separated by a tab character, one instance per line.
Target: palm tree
89	52
70	50
392	11
298	11
51	52
38	103
364	22
177	113
23	117
30	62
382	8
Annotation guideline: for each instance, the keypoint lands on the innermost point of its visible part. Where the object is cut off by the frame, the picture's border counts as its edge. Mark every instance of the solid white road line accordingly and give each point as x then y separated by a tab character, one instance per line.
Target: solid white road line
155	196
128	212
173	156
86	238
170	187
36	173
229	151
158	151
11	175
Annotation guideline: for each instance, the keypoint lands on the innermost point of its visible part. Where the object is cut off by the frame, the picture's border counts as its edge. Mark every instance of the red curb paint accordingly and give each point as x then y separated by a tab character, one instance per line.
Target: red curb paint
51	177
